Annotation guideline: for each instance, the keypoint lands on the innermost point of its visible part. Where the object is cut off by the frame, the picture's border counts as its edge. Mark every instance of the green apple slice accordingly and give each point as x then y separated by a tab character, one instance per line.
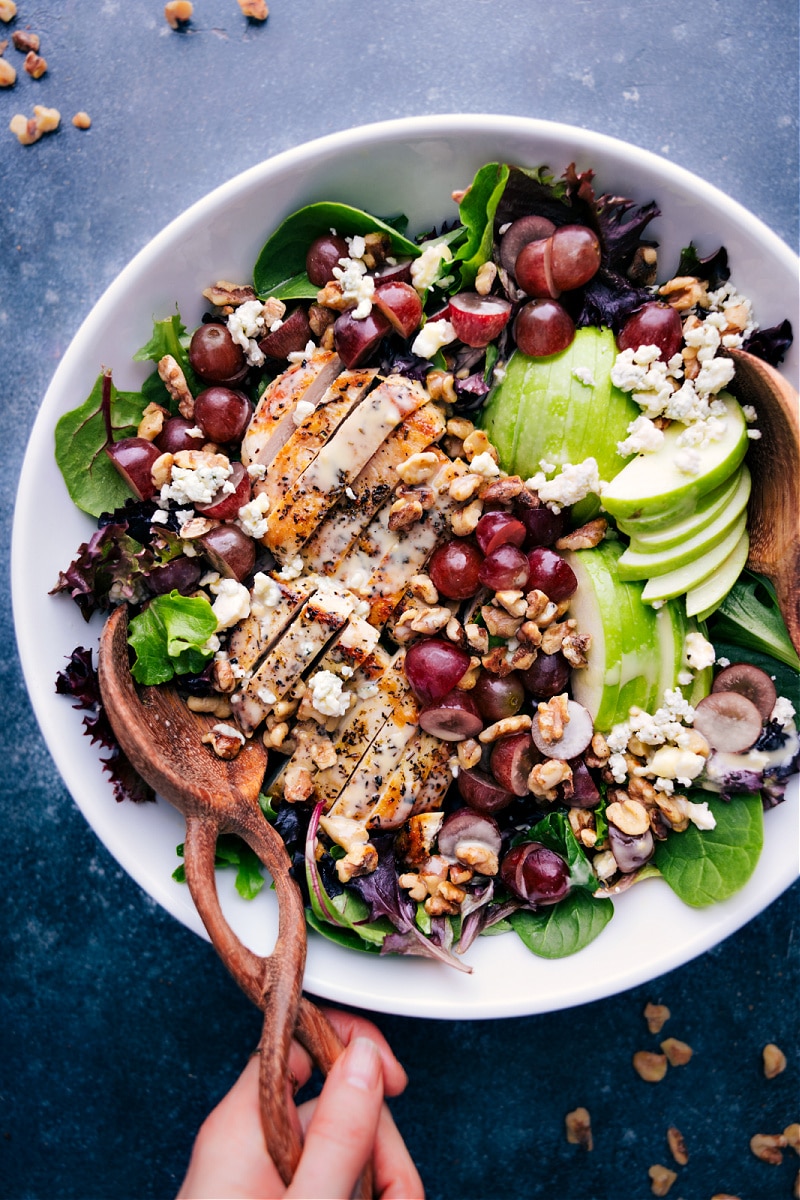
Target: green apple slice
672	627
733	491
703	599
664	523
652	482
561	409
646	564
675	583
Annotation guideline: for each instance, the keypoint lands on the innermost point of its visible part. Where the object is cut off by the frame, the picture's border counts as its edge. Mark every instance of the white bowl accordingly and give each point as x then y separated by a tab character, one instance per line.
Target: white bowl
411	166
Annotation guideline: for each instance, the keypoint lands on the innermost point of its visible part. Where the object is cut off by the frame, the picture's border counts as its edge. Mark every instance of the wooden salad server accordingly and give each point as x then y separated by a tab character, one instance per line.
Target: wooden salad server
774	506
163	740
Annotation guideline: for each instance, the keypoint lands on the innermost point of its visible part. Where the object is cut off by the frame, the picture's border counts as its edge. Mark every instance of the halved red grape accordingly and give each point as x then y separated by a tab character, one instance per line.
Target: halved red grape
533	269
225	504
535	873
481	792
399	272
290	337
355	340
543	525
548	676
477	319
180	574
751	682
134	457
215	356
505	569
728	721
222	413
654	324
400	304
467	825
498	696
531	228
511	761
574	256
631	850
543	327
455	568
574	740
433	668
323	255
175	436
498	528
585	793
551	574
229	550
452	718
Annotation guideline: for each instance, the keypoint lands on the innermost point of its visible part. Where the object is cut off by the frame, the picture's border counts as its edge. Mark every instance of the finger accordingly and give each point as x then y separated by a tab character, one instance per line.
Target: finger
229	1157
396	1176
350	1026
341	1134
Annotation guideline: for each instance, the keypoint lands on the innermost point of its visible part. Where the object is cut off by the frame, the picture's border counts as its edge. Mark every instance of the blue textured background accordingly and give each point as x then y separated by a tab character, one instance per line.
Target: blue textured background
118	1028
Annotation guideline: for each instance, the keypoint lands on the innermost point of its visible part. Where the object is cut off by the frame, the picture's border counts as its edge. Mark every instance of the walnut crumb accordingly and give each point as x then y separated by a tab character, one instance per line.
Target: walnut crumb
35	65
8	10
178	13
579	1128
82	120
649	1066
256	10
774	1060
24	40
656	1015
677	1146
678	1053
8	75
768	1147
662	1179
29	129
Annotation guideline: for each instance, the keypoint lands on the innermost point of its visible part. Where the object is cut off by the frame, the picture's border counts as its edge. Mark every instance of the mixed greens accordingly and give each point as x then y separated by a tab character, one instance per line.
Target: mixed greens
570	505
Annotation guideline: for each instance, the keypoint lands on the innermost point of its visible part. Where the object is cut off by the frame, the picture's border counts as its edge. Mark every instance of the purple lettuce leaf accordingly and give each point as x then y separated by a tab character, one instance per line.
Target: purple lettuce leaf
107	570
713	268
770	344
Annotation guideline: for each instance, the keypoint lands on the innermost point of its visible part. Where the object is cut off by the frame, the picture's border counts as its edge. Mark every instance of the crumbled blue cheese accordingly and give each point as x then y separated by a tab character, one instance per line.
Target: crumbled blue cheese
159	517
618	767
303	409
483	464
298	356
701	815
266	695
266	594
357	286
783	712
574	483
232	602
673	762
584	376
643	437
432	337
293	569
256	471
252	517
246	325
749	413
666	724
326	694
426	269
197	485
698	652
688	462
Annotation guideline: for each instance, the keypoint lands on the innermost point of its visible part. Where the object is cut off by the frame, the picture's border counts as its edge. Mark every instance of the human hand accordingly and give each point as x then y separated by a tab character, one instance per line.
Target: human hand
345	1127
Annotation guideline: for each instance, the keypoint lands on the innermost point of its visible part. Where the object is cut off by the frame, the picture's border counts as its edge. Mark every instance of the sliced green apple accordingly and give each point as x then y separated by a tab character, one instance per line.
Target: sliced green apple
561	409
683	579
734	491
636	563
653	483
703	599
663	523
672	628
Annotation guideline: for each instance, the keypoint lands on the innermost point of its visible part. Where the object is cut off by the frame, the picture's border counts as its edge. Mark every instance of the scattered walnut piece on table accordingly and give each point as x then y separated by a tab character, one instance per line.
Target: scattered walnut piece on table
8	76
649	1066
662	1179
677	1145
8	10
256	10
35	65
29	129
579	1128
774	1060
178	13
768	1147
24	40
796	1186
792	1135
82	120
677	1052
723	1196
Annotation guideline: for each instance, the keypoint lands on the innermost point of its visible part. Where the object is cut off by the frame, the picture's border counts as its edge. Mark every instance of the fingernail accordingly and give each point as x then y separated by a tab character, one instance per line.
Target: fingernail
362	1064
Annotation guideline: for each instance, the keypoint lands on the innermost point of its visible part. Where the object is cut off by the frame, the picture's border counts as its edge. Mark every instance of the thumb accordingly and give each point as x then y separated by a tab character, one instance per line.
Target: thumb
341	1136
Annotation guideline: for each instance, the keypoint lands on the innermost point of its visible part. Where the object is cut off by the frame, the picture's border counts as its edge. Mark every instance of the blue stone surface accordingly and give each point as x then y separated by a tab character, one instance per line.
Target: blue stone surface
119	1029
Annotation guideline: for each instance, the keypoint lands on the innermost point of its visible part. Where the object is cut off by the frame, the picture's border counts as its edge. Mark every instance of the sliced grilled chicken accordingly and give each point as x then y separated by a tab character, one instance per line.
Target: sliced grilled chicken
272	423
431	795
363	791
273	604
396	802
371	488
323	614
311	432
339	462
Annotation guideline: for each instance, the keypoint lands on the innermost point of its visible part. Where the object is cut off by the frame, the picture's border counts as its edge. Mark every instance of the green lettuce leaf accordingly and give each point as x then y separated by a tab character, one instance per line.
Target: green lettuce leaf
169	637
231	851
82	435
749	616
477	211
564	928
706	866
169	337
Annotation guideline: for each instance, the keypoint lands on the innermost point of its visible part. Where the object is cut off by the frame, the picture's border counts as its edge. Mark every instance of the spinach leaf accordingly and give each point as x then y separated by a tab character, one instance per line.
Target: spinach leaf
704	867
477	211
169	337
280	268
749	616
231	851
566	927
339	935
82	435
169	637
555	832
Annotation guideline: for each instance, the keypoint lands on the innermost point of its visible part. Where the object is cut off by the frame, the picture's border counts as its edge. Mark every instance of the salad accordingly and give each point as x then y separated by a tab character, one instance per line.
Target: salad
457	524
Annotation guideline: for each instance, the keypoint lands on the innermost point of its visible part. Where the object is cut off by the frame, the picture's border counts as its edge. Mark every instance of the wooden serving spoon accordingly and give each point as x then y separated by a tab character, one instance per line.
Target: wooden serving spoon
774	506
163	741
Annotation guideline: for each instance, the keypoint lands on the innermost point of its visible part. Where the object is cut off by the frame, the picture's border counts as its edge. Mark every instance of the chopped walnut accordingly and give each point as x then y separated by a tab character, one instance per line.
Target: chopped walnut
464	521
35	65
24	40
487	273
222	676
479	856
545	777
459	874
512	601
499	623
530	633
678	1053
464	487
656	1016
178	13
8	75
320	319
29	129
586	537
359	860
446	901
523	657
469	753
82	120
297	784
553	636
649	1066
404	513
477	637
521	723
331	296
503	490
497	662
413	885
255	10
677	1145
426	496
423	588
470	677
225	294
453	631
460	427
418	468
476	443
8	10
441	386
792	1135
662	1179
628	815
600	749
430	620
174	381
152	422
276	734
537	603
582	823
774	1060
685	292
553	715
768	1147
224	741
574	648
216	706
579	1128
